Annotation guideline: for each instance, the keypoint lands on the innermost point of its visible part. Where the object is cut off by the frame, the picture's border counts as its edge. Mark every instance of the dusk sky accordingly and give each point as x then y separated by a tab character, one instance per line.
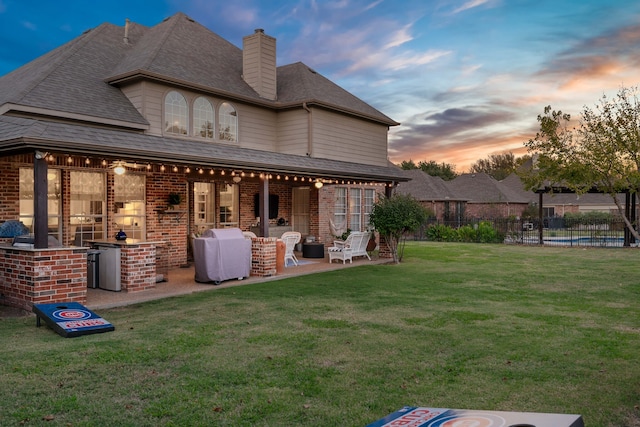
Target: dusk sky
466	78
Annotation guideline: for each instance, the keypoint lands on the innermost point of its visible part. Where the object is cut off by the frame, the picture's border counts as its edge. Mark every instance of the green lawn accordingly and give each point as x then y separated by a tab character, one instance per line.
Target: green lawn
455	325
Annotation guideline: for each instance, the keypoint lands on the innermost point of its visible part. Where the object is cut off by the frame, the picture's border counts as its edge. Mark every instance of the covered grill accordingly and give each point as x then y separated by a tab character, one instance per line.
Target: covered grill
221	254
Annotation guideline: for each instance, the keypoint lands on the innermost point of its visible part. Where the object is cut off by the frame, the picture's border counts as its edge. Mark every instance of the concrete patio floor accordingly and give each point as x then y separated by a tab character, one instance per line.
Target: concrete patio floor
181	281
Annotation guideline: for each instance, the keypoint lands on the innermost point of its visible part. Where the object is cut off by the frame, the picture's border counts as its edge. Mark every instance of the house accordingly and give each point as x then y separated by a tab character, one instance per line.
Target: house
559	203
433	193
468	196
97	134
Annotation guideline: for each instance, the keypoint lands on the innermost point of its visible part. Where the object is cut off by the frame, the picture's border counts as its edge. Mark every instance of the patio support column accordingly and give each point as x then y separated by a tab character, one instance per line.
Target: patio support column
40	201
627	212
264	206
540	220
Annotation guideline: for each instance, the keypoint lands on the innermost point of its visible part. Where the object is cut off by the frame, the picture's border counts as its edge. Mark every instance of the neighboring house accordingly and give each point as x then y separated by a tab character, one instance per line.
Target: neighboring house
434	194
558	204
180	110
487	197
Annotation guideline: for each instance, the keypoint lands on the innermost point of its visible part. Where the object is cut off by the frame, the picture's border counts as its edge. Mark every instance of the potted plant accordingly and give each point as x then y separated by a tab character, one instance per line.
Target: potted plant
371	245
174	199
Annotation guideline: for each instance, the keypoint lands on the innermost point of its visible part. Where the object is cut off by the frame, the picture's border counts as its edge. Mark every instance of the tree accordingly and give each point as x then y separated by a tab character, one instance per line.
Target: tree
395	216
499	166
408	165
602	152
445	171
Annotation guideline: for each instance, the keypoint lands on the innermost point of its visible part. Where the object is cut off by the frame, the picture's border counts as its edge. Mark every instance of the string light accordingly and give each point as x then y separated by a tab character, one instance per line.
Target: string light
104	162
175	169
162	168
87	161
211	172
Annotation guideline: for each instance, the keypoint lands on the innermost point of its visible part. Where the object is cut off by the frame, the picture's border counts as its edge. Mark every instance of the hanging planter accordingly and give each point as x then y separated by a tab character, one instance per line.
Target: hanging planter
174	199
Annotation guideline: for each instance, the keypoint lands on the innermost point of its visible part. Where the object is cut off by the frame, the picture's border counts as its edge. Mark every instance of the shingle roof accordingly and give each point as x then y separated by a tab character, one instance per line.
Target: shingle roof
424	187
297	83
177	50
70	79
482	188
21	134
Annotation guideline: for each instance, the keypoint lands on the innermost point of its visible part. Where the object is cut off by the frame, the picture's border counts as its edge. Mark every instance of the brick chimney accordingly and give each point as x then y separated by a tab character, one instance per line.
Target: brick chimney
259	63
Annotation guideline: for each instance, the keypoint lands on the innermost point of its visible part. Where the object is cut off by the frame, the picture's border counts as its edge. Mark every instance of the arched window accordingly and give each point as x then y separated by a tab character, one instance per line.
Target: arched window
227	122
203	118
175	113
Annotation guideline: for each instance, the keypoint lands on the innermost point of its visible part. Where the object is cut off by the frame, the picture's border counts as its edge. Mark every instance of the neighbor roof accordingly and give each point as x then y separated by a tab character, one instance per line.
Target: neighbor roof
482	188
424	187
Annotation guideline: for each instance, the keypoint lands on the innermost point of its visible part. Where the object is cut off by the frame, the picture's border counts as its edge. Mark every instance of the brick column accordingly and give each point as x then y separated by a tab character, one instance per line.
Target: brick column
138	267
263	256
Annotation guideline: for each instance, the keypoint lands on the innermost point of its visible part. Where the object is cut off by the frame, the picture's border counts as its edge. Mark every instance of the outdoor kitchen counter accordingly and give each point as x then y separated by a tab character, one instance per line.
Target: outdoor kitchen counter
143	263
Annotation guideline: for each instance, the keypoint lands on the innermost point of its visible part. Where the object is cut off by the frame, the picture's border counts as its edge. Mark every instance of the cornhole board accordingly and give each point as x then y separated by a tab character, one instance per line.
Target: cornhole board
71	319
412	416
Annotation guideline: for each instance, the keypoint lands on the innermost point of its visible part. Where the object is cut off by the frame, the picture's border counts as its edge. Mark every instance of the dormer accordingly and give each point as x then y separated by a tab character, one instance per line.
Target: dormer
259	63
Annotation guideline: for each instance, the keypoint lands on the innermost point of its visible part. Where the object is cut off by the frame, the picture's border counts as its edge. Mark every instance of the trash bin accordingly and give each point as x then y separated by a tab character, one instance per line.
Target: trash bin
93	268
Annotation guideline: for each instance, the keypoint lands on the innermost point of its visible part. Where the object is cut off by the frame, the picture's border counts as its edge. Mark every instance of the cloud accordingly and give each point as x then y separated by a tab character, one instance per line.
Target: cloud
460	136
29	25
469	5
605	57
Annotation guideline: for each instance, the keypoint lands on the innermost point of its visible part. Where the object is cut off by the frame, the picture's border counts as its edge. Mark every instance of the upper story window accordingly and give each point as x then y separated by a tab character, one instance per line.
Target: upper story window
203	118
175	113
227	123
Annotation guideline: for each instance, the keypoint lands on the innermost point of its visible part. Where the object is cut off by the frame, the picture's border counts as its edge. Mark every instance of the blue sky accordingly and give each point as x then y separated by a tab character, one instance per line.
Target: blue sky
466	78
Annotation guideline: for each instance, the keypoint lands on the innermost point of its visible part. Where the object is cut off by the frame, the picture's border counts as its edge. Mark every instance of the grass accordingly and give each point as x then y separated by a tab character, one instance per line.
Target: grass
455	325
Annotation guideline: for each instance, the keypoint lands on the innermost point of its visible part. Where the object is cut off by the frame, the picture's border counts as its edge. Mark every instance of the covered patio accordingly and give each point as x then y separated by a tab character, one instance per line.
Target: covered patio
181	282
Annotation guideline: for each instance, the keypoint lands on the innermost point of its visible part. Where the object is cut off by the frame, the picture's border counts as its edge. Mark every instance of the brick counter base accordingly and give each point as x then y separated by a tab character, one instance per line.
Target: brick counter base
41	276
263	256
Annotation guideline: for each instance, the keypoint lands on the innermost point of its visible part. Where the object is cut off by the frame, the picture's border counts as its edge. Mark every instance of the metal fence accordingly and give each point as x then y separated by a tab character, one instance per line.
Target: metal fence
556	231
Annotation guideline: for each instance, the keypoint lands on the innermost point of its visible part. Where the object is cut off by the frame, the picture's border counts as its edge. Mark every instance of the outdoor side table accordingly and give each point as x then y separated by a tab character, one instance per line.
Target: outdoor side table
313	250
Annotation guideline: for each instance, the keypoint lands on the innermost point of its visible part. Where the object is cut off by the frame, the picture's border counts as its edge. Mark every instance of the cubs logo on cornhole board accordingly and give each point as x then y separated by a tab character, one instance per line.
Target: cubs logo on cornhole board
412	416
71	319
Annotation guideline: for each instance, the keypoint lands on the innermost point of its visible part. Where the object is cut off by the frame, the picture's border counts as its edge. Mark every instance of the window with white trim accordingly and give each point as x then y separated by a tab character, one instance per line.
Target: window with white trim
129	195
86	207
27	210
203	118
355	209
175	113
369	200
227	123
340	212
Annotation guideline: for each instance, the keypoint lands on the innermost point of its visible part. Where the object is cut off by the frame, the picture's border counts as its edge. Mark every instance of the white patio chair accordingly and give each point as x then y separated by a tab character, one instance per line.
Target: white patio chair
290	239
355	245
249	235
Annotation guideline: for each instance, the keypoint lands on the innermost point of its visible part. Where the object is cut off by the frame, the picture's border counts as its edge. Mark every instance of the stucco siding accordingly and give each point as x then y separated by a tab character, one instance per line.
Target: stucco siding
339	137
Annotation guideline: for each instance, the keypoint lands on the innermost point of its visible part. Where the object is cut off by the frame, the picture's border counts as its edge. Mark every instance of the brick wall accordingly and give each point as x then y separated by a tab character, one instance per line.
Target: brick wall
42	276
